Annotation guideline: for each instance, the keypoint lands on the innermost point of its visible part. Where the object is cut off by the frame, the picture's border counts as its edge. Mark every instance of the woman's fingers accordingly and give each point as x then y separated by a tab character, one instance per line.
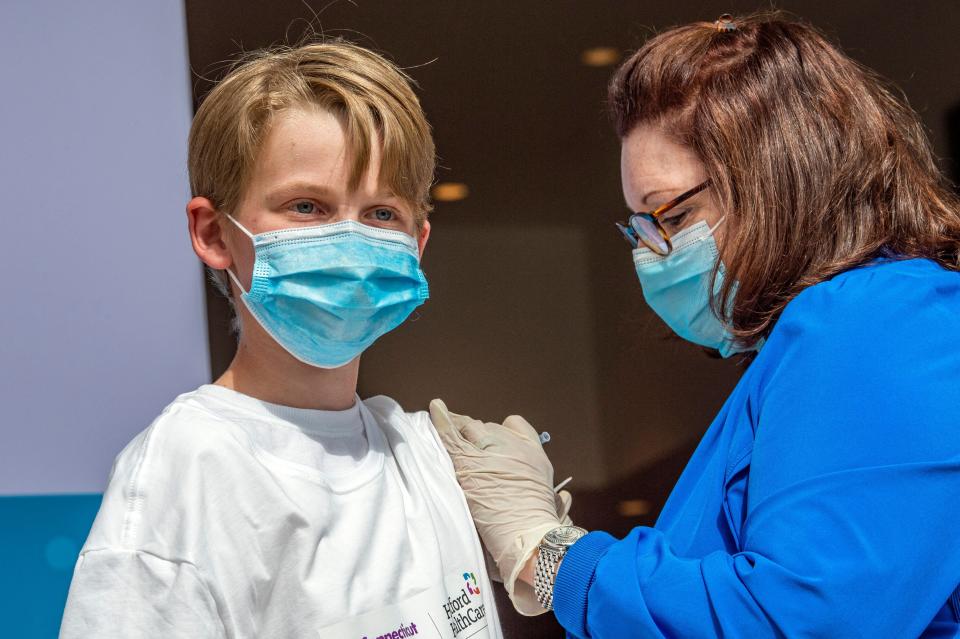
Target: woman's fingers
456	431
479	434
521	427
448	425
460	431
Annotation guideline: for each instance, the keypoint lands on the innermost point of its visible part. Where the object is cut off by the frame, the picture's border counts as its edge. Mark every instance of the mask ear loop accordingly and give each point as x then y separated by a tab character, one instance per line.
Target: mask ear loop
715	246
710	230
717	225
248	234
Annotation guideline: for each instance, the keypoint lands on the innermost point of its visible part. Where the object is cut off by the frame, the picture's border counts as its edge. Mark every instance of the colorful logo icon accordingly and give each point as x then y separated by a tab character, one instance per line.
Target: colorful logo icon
472	589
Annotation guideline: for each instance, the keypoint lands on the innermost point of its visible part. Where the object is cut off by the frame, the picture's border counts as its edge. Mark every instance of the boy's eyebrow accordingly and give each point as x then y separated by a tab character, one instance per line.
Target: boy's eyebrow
301	186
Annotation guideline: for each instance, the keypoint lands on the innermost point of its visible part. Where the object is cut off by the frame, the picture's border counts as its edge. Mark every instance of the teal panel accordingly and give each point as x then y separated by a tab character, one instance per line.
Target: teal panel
40	538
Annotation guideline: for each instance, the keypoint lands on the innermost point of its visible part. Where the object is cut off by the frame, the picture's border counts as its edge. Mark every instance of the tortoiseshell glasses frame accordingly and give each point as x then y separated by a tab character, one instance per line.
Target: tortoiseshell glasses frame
646	227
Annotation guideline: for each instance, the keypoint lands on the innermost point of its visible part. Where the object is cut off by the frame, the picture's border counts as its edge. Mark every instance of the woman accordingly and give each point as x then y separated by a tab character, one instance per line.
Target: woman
797	216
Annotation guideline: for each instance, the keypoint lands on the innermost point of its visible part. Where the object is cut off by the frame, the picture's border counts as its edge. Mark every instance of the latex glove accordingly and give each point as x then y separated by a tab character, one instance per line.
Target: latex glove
508	482
564	502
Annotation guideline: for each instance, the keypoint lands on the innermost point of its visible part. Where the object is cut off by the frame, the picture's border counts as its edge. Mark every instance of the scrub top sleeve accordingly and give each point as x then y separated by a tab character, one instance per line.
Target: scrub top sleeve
128	594
578	568
636	587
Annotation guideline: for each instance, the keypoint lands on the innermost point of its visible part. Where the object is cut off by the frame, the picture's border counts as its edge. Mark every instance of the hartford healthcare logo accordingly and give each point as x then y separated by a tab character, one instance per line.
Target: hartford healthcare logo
466	610
471	580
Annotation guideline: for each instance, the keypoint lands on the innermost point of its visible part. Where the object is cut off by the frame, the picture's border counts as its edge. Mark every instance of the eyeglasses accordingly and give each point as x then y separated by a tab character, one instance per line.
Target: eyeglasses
646	227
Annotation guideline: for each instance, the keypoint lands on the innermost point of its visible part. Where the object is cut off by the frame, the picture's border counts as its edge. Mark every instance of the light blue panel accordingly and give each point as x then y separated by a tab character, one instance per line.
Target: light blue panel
102	297
40	538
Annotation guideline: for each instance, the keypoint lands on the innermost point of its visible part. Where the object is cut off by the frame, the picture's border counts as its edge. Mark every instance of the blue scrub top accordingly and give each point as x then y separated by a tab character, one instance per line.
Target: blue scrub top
824	500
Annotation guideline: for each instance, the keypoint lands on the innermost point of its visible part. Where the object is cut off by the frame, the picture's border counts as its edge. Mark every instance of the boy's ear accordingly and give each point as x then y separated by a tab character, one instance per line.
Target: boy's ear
206	234
423	237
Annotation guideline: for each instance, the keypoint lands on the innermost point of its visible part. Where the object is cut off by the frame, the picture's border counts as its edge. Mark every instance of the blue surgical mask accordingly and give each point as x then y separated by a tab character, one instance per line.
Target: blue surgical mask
677	287
326	293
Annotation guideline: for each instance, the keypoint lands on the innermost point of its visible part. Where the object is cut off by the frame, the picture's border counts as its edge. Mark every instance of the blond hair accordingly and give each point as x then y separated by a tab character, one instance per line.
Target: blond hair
372	97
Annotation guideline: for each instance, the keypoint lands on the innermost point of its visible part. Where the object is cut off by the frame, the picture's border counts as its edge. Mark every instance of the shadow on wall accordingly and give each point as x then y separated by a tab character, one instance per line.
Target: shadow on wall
39	542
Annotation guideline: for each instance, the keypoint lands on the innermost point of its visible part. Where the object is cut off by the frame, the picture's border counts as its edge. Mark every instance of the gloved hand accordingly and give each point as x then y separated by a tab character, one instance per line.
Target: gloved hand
564	502
508	483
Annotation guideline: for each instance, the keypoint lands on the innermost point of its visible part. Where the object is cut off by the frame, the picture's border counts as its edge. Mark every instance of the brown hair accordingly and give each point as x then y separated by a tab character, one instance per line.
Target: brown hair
821	165
372	96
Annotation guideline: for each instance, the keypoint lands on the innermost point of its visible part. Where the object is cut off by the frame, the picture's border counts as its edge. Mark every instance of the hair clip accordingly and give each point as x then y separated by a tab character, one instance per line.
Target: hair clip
725	23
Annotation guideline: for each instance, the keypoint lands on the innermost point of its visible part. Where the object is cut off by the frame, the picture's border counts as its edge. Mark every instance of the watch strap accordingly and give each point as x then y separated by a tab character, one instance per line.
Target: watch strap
545	574
553	548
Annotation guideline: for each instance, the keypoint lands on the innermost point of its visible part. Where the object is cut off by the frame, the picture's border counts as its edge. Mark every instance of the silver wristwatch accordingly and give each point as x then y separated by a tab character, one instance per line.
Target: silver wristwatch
552	549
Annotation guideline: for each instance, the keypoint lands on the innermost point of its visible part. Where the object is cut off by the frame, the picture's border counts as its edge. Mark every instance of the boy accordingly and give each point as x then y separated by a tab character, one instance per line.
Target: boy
275	503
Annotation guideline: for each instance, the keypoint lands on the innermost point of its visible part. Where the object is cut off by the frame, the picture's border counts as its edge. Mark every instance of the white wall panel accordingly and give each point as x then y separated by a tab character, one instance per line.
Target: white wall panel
101	298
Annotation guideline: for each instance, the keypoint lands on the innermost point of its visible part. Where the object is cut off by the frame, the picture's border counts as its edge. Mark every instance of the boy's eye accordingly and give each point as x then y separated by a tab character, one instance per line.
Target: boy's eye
383	215
305	207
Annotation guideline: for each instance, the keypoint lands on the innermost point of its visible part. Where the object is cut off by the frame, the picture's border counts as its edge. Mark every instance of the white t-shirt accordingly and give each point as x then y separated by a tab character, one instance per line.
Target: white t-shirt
232	517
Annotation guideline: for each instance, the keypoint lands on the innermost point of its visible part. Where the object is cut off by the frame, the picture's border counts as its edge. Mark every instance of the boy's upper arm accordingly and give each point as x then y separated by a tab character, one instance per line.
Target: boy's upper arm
130	594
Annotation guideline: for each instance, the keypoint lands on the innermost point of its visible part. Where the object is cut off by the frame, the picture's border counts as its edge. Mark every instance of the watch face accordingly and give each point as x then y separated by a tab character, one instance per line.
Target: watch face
564	535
